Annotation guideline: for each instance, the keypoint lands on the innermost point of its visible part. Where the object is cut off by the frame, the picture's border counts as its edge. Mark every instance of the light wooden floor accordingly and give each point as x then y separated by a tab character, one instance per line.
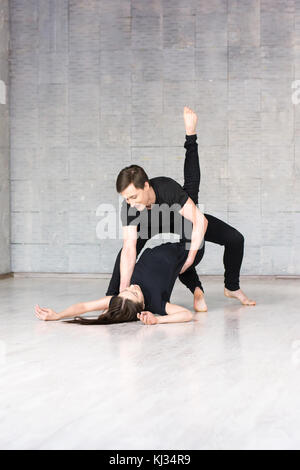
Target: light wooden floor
230	379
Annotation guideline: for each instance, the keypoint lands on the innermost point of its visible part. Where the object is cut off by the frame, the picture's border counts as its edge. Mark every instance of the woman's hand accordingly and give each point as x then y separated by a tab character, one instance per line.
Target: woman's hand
148	318
46	314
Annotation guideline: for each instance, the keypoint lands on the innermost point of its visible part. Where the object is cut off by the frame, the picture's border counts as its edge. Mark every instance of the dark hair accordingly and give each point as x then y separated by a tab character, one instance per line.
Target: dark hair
131	174
120	310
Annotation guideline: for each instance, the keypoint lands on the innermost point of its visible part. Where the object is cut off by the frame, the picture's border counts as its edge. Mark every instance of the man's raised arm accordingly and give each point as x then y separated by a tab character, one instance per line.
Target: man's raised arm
128	255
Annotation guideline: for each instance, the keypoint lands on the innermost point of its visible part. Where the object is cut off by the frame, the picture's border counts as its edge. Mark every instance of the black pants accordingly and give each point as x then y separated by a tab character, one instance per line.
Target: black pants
217	232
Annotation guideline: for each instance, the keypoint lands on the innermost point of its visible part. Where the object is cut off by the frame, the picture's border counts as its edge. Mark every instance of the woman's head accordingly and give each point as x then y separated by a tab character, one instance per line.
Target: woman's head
134	293
122	308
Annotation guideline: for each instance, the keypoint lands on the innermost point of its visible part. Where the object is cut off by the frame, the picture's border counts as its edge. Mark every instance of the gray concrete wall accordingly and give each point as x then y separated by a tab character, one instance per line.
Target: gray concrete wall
5	262
97	85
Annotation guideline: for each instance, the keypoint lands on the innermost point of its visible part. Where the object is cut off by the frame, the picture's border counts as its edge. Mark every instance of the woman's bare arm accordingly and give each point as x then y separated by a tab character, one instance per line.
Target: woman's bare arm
175	314
74	310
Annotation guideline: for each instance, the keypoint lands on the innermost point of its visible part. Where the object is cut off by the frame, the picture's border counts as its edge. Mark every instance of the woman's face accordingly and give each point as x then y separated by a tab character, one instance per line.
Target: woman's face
134	293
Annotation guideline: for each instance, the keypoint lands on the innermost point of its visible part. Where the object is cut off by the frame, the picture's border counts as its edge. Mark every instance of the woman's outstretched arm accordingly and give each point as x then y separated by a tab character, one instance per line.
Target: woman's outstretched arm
47	314
175	314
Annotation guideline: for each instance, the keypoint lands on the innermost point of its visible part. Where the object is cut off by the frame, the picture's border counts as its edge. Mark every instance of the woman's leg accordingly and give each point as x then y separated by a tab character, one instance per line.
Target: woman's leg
190	277
192	178
192	174
217	232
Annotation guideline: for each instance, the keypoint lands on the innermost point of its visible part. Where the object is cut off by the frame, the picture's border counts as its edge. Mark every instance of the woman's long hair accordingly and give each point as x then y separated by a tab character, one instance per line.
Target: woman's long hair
120	310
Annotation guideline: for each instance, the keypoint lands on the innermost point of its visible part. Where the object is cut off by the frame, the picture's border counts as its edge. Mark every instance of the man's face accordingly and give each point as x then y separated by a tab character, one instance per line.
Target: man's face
136	197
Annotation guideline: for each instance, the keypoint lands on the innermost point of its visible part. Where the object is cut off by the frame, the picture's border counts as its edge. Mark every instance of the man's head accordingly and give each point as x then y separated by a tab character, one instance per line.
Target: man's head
133	184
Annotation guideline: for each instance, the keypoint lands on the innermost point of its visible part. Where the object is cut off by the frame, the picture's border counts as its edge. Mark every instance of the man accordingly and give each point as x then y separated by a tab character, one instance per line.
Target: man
146	195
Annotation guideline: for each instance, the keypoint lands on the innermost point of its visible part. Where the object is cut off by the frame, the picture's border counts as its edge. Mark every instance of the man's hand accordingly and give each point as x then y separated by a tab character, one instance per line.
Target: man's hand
186	265
46	314
148	318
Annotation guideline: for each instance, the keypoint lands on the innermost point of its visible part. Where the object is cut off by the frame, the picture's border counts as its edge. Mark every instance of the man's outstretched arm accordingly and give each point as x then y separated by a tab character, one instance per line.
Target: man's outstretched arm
128	255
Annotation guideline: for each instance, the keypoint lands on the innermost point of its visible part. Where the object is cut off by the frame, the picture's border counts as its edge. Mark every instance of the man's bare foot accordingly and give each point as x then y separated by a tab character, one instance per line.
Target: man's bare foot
199	301
239	294
190	121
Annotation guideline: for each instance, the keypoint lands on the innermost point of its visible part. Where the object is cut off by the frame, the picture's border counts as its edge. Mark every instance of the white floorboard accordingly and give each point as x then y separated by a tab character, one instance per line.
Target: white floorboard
228	380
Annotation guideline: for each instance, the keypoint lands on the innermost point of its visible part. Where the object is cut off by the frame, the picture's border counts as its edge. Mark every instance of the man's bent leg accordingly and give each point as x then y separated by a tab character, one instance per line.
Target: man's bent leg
233	241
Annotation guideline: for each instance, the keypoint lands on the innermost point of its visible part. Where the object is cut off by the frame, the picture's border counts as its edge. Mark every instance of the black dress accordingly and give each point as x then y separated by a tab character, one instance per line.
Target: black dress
156	272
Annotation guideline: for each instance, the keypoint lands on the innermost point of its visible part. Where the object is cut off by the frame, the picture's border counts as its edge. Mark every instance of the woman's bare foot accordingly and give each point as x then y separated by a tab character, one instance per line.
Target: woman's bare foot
199	301
190	121
239	294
